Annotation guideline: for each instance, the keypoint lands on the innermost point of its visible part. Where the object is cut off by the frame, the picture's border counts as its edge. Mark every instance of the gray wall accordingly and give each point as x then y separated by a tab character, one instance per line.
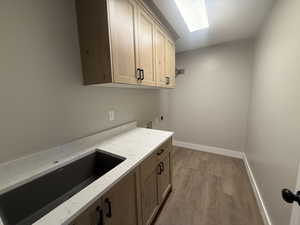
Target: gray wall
210	103
43	101
274	127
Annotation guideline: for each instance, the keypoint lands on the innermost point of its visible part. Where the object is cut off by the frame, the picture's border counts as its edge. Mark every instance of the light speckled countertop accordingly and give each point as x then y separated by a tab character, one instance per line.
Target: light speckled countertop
128	141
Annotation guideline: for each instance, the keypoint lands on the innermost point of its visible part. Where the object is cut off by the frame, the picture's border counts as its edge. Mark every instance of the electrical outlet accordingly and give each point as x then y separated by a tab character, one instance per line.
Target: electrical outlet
111	115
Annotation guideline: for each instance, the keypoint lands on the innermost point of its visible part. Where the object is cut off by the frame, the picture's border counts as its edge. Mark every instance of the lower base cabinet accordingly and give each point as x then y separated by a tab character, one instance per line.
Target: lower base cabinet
92	216
149	197
120	203
164	178
136	198
156	181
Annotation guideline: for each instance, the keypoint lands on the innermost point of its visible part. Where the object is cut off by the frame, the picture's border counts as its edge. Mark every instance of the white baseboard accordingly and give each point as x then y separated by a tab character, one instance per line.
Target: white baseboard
210	149
234	154
258	196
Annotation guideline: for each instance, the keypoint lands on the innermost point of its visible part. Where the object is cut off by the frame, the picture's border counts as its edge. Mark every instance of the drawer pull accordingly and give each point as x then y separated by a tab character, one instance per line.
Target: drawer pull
109	214
142	74
162	166
100	211
139	74
160	169
160	152
167	80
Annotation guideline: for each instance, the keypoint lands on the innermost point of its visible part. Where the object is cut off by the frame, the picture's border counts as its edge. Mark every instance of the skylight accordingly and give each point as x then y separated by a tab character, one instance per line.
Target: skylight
194	13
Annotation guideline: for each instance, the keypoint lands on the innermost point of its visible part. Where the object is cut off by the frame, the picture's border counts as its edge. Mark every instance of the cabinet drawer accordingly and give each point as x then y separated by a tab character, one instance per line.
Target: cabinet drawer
164	150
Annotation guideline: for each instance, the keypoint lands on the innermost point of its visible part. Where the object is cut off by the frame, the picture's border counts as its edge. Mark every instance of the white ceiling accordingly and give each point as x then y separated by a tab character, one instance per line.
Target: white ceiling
229	20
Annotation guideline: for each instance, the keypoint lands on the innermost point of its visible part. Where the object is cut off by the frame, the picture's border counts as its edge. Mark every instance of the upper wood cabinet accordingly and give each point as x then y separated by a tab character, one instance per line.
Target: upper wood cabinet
123	29
165	60
120	43
170	64
146	48
160	47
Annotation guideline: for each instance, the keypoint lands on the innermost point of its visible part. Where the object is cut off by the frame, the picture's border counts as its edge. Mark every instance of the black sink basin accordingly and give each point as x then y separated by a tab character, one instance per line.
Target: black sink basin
29	202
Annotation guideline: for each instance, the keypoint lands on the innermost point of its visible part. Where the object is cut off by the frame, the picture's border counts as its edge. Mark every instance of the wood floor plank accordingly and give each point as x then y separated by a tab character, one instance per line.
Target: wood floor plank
209	189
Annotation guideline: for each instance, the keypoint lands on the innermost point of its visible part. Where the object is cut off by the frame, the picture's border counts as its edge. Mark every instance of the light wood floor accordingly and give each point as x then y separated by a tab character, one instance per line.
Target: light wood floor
209	190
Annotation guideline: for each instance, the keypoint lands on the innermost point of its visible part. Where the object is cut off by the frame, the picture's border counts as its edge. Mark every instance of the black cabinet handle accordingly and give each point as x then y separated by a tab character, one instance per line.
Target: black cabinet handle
167	80
143	75
109	214
162	166
100	212
160	152
290	197
138	74
159	169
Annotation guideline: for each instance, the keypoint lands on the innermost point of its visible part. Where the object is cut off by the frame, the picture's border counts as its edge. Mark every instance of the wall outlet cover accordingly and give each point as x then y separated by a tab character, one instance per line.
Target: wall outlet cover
111	115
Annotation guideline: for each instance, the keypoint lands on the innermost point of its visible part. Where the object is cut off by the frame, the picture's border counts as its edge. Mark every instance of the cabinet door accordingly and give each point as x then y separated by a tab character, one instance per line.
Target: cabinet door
173	66
92	216
120	202
164	178
160	52
169	64
146	48
122	19
149	197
